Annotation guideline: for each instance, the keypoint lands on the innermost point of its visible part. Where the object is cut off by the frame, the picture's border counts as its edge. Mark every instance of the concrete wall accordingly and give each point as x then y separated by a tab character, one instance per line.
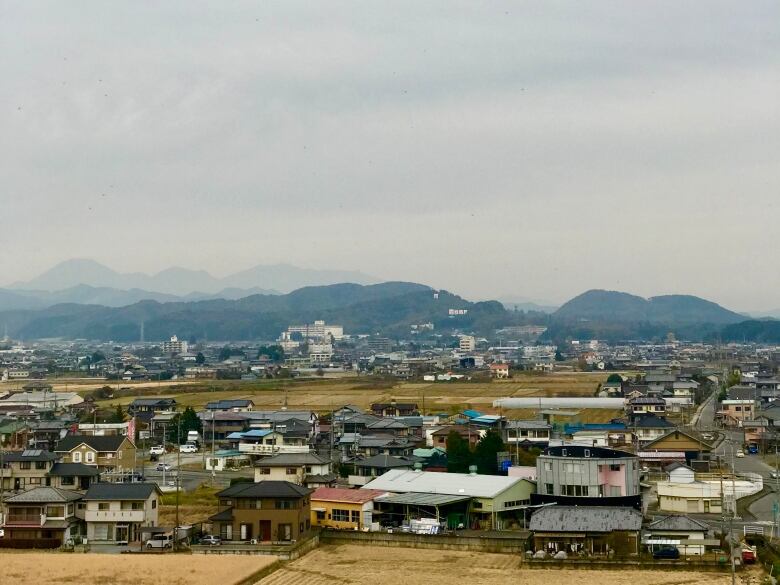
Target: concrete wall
510	544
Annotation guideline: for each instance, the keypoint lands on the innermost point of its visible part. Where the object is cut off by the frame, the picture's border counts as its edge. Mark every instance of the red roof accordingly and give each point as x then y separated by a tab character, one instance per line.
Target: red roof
359	496
499	366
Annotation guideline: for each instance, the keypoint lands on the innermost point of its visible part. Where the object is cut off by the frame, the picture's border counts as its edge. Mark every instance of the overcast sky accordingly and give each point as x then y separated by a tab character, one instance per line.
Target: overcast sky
523	149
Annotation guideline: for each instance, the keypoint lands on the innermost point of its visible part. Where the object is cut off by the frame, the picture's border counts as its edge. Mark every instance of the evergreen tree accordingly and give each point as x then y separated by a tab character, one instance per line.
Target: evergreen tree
459	456
486	452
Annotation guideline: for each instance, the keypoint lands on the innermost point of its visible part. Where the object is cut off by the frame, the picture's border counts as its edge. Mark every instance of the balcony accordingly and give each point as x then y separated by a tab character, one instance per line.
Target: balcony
115	515
258	449
25	520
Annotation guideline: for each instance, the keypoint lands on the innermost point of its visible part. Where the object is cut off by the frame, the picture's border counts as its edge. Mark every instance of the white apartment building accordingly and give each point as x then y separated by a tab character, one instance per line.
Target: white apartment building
175	346
467	343
318	330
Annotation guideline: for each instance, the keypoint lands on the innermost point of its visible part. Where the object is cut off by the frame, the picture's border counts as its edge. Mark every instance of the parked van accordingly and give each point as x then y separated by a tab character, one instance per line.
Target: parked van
163	541
188	448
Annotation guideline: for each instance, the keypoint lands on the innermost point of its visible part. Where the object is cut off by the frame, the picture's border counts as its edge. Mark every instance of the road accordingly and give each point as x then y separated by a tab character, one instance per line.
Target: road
190	479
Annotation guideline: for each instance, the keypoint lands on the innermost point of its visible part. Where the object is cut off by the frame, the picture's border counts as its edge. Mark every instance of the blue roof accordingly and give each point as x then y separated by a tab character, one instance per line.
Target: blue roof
257	433
472	413
574	427
488	419
236	435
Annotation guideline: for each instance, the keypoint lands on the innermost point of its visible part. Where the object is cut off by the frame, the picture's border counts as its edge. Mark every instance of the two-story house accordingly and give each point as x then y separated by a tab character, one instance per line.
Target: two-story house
394	408
26	470
307	469
116	512
107	453
268	511
43	517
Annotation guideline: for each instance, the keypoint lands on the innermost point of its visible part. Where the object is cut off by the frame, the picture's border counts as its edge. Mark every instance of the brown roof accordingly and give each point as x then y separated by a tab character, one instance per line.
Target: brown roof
360	496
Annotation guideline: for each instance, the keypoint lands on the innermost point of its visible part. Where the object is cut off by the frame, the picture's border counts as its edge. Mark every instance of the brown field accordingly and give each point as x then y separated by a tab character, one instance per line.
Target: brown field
194	506
56	569
360	565
323	395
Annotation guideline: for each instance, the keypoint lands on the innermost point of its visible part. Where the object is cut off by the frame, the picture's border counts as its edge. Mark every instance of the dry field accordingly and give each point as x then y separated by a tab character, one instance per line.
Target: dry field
57	569
194	506
323	395
360	565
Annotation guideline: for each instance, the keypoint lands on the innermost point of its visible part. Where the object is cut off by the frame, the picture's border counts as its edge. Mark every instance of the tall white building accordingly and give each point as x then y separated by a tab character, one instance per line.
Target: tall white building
467	343
175	346
318	330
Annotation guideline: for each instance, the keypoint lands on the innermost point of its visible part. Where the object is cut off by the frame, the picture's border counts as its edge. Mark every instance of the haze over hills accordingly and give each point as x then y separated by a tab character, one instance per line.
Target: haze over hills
389	308
182	281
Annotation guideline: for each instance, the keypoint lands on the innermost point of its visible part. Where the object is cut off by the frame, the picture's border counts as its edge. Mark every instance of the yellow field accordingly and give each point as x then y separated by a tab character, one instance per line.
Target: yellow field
323	395
30	568
360	565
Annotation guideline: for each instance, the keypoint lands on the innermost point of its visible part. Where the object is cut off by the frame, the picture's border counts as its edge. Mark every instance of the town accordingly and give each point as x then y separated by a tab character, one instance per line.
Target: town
659	453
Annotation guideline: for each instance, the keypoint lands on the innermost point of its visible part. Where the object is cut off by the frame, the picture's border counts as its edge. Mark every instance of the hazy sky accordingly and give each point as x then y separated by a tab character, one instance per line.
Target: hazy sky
527	149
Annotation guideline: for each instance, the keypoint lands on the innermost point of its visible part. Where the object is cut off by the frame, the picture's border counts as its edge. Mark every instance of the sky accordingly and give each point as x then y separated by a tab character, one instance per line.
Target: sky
494	149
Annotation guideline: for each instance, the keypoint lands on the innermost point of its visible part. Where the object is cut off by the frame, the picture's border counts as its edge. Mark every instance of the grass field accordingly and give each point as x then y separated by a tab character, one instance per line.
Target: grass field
30	568
360	565
194	506
323	395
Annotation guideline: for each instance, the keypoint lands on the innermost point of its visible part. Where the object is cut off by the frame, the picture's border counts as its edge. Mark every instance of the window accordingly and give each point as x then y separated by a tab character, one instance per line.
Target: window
308	469
340	515
477	505
291	471
132	505
103	506
70	480
614	467
284	505
154	504
572	467
564	453
25	465
356	516
118	455
264	471
77	457
56	511
587	452
548	488
320	514
226	502
35	481
548	466
90	457
40	465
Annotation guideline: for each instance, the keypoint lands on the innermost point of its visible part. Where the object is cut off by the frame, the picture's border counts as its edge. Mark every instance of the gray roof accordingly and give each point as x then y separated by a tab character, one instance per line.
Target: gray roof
585	519
675	522
120	491
292	460
528	424
384	461
402	481
231	403
98	443
152	401
415	499
30	455
265	489
44	495
73	469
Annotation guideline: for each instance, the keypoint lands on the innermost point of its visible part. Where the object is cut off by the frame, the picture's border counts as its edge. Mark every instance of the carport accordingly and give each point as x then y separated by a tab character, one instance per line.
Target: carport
455	509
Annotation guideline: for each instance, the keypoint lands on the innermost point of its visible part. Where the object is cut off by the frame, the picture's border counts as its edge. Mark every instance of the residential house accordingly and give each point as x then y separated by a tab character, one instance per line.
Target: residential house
14	434
536	432
107	453
232	405
370	468
685	446
469	434
43	517
646	405
73	476
268	511
394	408
499	371
151	406
592	530
735	412
577	475
307	469
686	534
116	512
649	427
343	509
26	470
267	442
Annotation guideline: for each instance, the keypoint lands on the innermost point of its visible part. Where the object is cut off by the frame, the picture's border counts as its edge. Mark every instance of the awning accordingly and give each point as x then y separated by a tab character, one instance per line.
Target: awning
560	534
416	499
319	509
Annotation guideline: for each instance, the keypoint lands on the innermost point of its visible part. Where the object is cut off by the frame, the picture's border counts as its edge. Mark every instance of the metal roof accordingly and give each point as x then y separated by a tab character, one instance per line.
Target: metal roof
120	491
585	519
431	482
44	495
416	499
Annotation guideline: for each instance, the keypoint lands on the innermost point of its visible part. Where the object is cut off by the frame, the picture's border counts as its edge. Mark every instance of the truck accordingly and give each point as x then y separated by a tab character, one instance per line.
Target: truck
748	554
193	437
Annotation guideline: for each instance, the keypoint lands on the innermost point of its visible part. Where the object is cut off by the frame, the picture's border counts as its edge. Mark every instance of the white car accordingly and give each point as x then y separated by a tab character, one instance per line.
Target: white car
740	453
157	450
163	541
188	448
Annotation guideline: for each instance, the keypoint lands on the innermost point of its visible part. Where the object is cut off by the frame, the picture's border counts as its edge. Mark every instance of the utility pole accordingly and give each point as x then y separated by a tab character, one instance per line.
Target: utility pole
2	485
178	479
213	473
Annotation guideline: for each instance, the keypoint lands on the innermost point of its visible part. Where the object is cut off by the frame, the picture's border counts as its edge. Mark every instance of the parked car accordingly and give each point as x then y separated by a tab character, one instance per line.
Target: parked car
163	541
164	467
740	453
157	450
666	553
188	448
774	475
211	540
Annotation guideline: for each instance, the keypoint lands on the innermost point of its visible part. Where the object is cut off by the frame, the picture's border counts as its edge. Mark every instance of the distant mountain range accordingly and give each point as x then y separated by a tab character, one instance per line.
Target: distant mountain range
182	281
388	308
87	282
